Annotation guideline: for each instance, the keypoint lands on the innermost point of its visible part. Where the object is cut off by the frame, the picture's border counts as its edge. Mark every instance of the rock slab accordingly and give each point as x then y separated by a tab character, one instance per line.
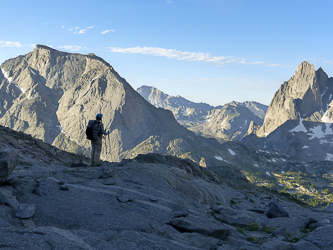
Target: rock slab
8	162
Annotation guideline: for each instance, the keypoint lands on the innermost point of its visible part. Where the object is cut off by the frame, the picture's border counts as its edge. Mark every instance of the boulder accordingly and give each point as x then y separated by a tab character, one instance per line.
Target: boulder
208	228
275	210
329	209
309	222
8	162
25	211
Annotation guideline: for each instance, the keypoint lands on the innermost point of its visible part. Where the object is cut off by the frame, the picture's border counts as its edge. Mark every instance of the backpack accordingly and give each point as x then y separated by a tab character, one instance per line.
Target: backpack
92	130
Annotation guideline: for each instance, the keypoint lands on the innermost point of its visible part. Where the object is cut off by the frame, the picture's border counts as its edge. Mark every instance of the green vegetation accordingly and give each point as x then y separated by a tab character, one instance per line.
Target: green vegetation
293	240
253	240
315	190
239	229
253	227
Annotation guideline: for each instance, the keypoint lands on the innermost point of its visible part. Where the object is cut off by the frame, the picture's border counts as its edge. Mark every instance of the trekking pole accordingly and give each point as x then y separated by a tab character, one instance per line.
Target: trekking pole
109	141
106	152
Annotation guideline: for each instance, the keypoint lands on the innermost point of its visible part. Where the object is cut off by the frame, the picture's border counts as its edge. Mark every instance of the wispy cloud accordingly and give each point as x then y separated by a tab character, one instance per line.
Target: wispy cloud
10	44
181	55
78	30
72	47
328	62
107	31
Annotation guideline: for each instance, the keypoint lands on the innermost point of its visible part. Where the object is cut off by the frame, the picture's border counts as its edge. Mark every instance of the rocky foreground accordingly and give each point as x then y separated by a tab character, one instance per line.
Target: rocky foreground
54	200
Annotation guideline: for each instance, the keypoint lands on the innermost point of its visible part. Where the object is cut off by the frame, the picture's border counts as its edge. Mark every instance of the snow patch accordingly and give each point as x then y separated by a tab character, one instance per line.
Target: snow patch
305	146
329	157
218	158
300	127
224	121
327	119
317	132
22	90
59	126
6	75
32	71
268	173
231	152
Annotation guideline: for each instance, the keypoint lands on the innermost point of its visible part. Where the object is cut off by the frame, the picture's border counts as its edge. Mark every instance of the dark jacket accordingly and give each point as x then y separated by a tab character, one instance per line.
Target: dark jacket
101	130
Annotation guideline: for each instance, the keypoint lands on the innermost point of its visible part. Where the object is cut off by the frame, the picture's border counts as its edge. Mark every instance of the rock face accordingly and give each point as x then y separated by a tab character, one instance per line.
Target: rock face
226	123
52	200
8	162
298	121
187	113
52	95
231	122
306	96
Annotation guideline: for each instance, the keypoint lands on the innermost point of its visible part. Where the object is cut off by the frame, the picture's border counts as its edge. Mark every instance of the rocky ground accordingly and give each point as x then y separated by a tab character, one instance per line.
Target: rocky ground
55	200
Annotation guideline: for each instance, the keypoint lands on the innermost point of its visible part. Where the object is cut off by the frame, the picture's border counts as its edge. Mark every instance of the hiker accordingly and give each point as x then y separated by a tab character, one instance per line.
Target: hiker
96	144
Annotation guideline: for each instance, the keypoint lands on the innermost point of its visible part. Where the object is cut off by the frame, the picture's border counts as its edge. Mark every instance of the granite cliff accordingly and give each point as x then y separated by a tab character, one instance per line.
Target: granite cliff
298	121
52	95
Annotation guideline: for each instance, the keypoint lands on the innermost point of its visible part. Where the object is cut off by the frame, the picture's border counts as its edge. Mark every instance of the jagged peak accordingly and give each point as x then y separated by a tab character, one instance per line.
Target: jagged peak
40	47
320	71
304	67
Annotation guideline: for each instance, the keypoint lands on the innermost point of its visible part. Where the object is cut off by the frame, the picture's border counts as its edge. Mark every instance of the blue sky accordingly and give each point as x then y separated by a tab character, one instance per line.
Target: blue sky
212	51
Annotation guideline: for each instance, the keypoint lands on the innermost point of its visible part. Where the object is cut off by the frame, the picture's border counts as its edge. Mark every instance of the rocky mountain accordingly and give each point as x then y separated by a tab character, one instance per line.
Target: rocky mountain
224	123
306	96
52	95
187	113
299	119
231	122
54	200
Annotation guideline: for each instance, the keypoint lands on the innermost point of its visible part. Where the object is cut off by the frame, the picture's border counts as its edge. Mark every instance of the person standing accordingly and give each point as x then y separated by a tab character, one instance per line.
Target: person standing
96	145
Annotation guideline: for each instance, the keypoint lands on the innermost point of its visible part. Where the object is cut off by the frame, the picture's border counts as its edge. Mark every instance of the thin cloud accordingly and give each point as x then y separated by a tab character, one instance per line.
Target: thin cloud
72	47
328	62
107	31
78	30
10	44
180	55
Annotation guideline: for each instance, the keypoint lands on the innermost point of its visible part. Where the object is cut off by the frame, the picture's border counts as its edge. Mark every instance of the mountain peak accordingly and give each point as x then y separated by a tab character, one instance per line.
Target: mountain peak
304	68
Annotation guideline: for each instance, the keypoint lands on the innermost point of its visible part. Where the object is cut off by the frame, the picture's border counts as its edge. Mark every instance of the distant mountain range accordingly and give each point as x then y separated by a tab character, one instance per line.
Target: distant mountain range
224	123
